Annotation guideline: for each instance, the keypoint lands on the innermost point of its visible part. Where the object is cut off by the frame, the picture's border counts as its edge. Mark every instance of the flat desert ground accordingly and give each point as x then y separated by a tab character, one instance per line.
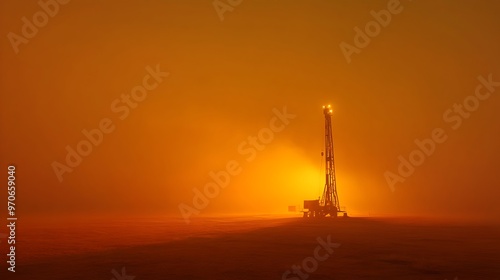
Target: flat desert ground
255	247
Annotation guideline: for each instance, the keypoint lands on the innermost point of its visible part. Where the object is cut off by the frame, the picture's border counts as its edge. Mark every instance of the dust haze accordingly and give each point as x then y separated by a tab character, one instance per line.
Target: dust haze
225	79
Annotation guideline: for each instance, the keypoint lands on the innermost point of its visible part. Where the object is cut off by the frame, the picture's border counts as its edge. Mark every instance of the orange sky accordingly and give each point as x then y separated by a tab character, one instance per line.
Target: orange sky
225	79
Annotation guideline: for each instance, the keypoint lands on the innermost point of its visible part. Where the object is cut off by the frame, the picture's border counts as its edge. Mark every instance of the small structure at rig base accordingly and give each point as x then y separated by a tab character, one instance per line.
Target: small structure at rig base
328	203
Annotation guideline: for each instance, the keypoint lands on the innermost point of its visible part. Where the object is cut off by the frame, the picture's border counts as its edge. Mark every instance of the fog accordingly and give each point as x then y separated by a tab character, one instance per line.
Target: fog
235	80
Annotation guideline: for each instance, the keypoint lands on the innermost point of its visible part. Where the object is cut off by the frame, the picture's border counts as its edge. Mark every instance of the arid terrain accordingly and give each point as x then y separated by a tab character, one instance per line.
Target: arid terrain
258	248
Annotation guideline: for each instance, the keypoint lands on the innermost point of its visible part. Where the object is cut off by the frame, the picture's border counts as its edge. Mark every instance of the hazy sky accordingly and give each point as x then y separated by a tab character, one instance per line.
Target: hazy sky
226	80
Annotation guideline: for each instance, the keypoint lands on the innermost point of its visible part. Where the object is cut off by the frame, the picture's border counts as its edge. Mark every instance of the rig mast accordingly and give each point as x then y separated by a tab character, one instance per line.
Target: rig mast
328	204
330	198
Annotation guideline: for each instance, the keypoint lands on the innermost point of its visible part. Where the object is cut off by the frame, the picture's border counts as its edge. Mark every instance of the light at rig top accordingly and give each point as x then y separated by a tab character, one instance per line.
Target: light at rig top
328	108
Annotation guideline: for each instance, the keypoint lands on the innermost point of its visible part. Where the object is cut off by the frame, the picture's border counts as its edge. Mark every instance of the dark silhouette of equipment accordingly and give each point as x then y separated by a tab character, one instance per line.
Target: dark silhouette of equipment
328	204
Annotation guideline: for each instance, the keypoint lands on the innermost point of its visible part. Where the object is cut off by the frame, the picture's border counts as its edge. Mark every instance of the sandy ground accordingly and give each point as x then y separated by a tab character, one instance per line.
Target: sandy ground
259	248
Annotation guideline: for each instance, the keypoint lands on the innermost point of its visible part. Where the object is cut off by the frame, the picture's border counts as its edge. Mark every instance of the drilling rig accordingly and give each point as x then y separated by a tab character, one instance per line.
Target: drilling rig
328	203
